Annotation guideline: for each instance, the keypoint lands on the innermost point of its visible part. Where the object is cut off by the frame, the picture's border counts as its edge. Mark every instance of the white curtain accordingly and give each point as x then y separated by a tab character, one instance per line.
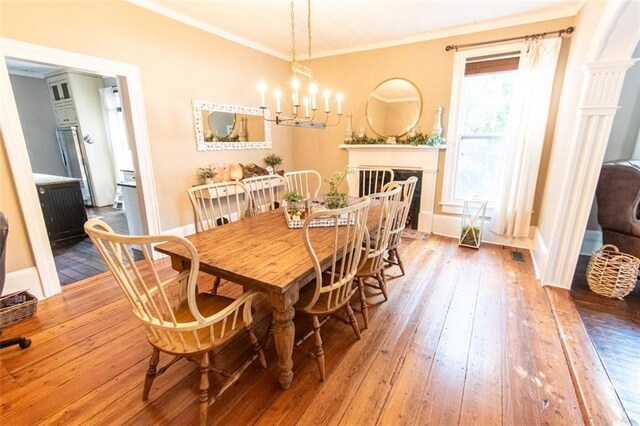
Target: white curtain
117	131
525	137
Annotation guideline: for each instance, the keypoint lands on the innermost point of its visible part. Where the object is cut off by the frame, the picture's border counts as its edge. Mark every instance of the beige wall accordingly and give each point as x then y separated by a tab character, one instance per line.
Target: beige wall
18	248
430	68
178	63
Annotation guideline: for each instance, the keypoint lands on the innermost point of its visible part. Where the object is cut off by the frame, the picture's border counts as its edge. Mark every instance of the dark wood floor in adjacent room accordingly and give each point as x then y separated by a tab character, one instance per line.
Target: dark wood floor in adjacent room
614	328
77	258
467	337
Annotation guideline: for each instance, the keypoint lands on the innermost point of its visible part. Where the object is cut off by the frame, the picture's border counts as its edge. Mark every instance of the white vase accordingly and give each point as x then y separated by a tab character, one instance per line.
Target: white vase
436	130
348	133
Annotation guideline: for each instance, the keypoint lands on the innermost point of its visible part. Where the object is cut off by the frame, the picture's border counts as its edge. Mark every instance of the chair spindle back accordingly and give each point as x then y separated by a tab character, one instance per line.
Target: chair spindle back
219	203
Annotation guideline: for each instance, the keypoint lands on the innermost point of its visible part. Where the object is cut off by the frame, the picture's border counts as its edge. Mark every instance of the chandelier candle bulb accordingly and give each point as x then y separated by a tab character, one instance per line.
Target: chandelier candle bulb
313	89
277	95
326	94
339	97
307	113
295	84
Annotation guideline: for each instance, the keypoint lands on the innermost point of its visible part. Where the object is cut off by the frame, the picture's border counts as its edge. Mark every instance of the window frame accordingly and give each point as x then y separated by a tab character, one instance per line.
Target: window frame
448	204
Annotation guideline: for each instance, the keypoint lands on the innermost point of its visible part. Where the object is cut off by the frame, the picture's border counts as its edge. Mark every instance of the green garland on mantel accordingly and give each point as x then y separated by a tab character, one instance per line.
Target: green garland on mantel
417	140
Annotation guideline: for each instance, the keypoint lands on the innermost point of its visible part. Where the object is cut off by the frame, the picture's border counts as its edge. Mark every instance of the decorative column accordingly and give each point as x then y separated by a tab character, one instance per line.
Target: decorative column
596	110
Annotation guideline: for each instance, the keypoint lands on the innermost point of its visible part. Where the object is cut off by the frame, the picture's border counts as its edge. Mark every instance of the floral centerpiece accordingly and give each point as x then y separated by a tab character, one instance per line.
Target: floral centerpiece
294	204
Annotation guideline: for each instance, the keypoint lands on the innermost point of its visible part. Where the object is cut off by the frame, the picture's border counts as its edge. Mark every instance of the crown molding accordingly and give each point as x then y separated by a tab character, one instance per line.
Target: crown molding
510	21
196	23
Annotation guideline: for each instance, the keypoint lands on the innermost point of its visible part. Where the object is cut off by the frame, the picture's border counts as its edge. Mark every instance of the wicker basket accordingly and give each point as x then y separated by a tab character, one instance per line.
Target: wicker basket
611	273
17	306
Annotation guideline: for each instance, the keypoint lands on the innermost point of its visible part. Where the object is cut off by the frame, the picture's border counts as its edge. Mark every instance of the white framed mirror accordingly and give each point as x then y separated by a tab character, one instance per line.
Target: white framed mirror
394	107
228	127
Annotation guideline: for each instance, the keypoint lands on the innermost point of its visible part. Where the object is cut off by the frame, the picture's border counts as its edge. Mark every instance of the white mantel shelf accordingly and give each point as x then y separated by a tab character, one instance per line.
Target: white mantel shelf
420	158
381	146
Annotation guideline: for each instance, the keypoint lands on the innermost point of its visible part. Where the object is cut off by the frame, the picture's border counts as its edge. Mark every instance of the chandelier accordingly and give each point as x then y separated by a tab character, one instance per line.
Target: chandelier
306	114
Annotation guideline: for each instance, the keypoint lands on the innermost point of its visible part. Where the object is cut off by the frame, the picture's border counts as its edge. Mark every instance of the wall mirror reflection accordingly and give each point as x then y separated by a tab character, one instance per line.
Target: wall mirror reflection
394	107
226	127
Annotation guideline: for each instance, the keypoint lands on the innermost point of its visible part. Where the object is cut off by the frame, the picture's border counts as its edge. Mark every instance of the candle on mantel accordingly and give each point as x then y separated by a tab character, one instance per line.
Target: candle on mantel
278	94
313	89
307	113
339	97
326	95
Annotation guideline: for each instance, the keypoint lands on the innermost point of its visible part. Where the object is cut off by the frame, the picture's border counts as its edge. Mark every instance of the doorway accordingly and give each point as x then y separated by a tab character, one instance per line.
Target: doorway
129	84
76	137
613	324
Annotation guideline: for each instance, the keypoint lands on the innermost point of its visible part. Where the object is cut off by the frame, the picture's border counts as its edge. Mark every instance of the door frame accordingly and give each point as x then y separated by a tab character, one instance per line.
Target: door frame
607	62
130	80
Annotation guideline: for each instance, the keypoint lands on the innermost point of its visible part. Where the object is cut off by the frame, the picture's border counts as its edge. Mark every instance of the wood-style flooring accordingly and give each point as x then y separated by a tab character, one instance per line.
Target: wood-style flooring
467	337
614	328
77	258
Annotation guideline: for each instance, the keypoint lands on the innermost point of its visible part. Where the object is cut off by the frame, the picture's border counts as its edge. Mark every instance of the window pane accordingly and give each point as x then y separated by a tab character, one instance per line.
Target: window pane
485	107
477	171
486	103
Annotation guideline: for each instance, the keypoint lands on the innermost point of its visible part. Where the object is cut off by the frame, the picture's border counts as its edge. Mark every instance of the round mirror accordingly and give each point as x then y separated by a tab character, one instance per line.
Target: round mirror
394	107
221	123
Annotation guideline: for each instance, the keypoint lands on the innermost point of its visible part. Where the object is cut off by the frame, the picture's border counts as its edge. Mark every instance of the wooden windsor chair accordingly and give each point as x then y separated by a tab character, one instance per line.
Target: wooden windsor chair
376	246
400	221
266	192
306	182
217	204
333	287
363	181
178	320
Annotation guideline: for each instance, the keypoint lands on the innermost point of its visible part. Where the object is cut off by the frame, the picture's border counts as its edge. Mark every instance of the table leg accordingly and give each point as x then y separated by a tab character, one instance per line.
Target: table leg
284	332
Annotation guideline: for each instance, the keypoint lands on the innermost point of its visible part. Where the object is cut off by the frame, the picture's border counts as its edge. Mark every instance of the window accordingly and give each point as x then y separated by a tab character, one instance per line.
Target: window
482	96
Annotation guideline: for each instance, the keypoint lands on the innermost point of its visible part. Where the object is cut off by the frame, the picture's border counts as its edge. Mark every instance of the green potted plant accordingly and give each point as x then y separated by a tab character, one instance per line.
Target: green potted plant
334	199
294	203
207	174
272	160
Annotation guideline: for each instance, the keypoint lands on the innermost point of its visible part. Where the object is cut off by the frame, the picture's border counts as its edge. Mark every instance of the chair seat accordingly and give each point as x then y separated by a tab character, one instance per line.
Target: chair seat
208	304
366	269
306	295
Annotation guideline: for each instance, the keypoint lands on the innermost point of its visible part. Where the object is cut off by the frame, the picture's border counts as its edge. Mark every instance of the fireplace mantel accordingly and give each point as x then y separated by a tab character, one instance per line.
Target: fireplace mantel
422	158
395	147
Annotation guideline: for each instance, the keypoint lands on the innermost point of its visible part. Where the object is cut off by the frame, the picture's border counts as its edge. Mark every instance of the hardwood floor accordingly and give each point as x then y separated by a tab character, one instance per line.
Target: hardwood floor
77	259
466	337
614	328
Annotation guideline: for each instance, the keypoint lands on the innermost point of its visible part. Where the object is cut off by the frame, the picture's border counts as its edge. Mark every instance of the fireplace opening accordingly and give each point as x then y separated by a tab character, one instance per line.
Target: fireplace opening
399	175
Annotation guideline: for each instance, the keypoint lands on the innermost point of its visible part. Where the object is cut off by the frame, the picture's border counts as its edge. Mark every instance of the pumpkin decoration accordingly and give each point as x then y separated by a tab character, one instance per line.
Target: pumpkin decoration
235	172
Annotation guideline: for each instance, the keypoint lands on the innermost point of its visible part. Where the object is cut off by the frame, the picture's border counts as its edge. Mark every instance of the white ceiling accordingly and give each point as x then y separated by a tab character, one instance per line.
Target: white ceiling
342	26
30	69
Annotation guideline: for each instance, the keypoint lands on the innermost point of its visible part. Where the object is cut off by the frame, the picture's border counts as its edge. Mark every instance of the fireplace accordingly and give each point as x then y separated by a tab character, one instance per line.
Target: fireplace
414	208
406	161
369	183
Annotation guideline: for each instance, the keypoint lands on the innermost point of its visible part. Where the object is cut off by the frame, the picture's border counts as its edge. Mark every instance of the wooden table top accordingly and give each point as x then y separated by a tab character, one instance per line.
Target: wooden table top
260	251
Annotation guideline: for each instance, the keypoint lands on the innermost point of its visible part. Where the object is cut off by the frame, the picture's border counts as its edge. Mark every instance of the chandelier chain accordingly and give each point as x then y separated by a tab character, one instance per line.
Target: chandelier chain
293	33
309	28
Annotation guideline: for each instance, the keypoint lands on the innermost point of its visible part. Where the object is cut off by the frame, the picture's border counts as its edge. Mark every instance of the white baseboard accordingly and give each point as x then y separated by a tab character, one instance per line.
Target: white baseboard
181	231
539	254
591	242
24	279
449	226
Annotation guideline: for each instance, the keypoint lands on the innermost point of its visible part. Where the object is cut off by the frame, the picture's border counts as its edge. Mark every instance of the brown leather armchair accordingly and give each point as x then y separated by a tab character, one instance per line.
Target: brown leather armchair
618	198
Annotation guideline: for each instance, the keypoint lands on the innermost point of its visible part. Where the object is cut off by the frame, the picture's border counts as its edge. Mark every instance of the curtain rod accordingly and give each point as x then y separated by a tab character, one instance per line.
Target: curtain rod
567	30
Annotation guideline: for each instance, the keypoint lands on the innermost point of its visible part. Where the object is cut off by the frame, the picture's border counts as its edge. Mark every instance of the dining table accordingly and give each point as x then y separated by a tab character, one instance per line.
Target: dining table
262	253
